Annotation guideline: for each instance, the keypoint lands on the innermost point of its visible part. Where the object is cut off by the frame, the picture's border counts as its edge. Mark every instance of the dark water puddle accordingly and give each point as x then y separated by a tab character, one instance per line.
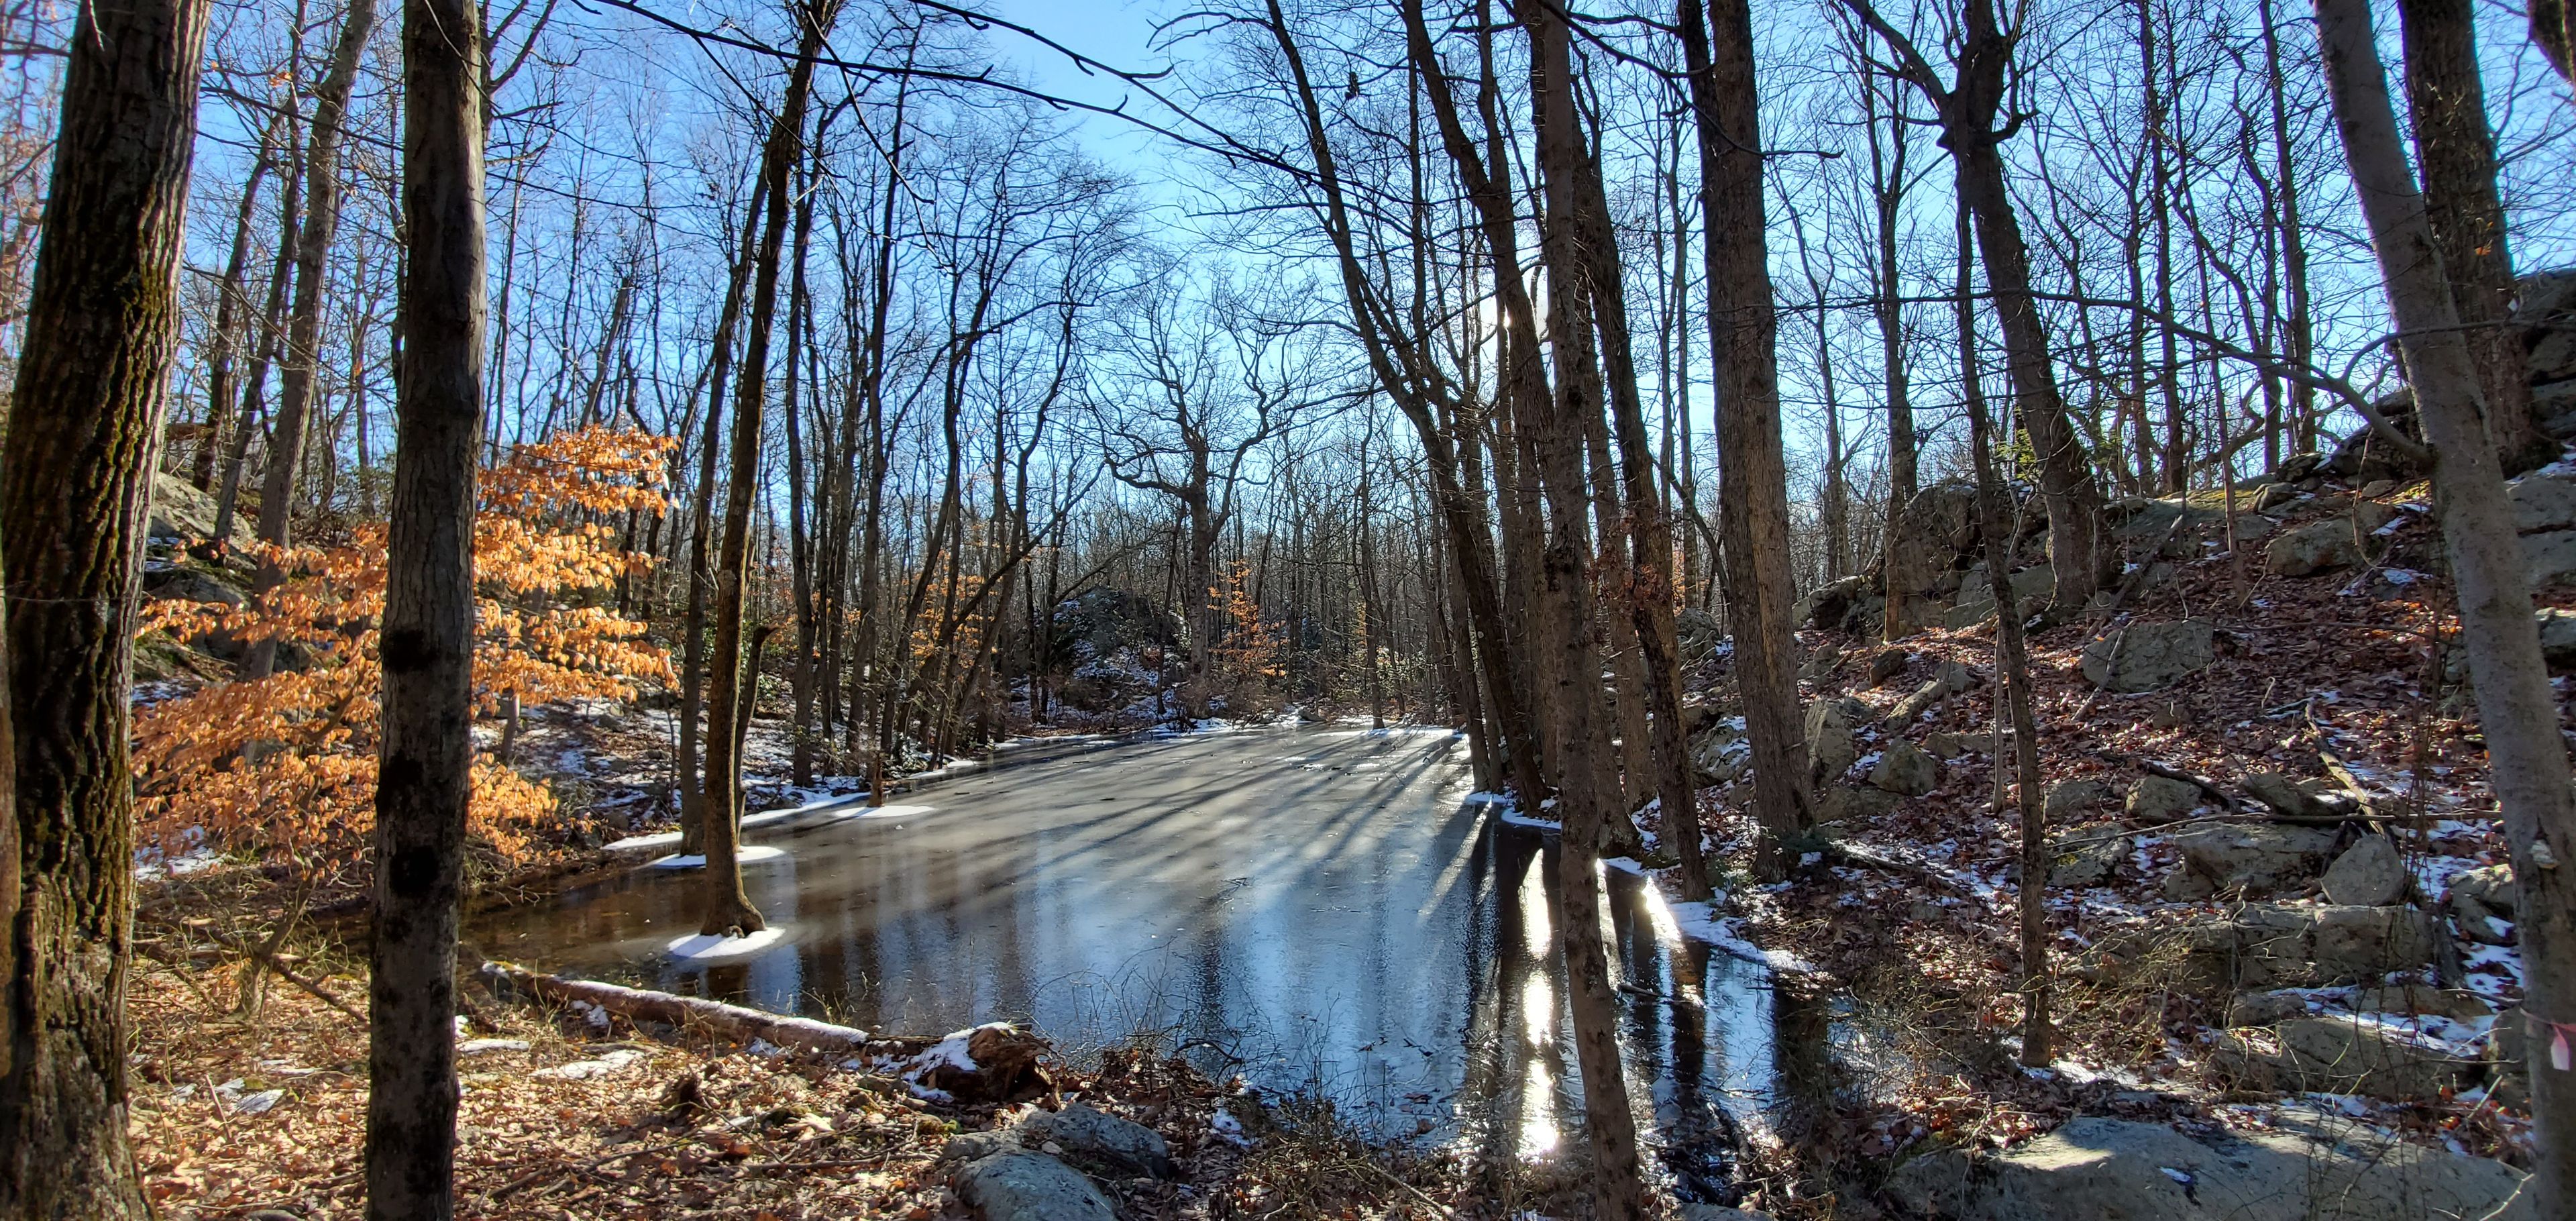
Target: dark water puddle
1315	911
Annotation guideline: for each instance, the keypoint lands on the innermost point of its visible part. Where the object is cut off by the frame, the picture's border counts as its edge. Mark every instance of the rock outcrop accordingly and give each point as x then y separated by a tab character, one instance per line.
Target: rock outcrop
2149	656
2310	1167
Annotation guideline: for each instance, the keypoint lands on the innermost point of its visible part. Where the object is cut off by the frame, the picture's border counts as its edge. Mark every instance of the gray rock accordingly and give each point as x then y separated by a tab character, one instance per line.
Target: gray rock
2457	1004
2265	1008
2334	542
2031	590
2069	797
2160	799
1721	754
1830	606
2307	1167
2492	885
182	513
2368	874
2543	502
1699	633
2281	793
1887	664
1719	1212
1937	525
2256	858
976	1146
186	583
2343	1055
2480	922
1945	746
1905	770
1017	1185
2087	864
2278	945
2147	656
2557	635
1831	745
1093	1135
1954	677
1923	700
1843	802
2548	557
2274	495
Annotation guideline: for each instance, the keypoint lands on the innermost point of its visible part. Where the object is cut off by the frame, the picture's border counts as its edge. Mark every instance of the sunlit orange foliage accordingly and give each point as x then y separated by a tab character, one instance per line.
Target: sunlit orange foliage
285	766
1249	647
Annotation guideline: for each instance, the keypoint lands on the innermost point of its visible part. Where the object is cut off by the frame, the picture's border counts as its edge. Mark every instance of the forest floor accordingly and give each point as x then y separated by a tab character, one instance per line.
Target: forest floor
2336	678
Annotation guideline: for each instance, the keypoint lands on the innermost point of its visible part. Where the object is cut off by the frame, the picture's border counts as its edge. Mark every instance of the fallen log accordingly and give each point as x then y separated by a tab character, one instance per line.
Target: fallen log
994	1062
689	1012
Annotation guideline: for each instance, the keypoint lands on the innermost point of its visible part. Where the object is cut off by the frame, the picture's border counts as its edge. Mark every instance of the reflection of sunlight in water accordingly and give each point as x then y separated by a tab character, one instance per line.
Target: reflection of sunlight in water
1539	1133
1538	1010
1537	935
1668	932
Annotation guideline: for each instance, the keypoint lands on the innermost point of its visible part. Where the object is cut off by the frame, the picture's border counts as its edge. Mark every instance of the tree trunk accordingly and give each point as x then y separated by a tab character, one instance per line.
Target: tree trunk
2012	670
2457	153
425	779
1753	482
2516	706
227	325
304	319
728	911
701	577
102	330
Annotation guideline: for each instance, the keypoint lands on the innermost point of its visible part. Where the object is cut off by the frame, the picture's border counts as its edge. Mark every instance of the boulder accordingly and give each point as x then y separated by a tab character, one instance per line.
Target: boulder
1102	621
188	583
1945	746
1091	1135
2161	799
1018	1185
2334	542
1699	633
2557	635
1905	770
2368	874
2543	502
181	513
2281	793
1938	524
2277	945
2480	922
2256	858
1830	606
2148	656
2067	798
2087	864
2549	557
2306	1166
1832	744
1821	662
2354	1055
2492	885
2031	590
1924	698
1721	753
1887	664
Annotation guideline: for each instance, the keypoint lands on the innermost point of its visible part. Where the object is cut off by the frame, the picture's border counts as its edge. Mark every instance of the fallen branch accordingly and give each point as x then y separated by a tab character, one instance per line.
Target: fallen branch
687	1012
269	959
1848	853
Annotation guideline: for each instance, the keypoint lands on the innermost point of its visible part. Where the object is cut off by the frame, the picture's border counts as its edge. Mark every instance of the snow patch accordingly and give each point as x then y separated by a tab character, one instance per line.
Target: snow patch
748	856
700	947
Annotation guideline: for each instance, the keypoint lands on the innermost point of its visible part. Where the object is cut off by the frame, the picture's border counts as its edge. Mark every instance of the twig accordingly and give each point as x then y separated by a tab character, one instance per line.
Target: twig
1409	1189
269	959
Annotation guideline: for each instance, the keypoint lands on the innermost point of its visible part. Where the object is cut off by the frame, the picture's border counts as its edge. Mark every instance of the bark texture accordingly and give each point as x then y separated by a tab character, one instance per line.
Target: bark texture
426	760
102	329
1753	480
2516	707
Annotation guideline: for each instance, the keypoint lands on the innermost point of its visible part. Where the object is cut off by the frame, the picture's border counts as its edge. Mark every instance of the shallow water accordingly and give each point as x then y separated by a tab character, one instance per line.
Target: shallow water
1314	909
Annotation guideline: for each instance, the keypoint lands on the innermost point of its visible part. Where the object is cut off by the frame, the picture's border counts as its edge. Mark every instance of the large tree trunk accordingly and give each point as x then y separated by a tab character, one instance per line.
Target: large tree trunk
2457	152
1887	183
425	778
2516	707
1753	482
701	577
304	319
102	329
728	911
1618	1189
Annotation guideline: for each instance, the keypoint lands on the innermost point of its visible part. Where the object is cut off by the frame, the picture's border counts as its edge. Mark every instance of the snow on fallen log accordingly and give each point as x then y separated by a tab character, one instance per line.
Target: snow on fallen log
995	1062
687	1012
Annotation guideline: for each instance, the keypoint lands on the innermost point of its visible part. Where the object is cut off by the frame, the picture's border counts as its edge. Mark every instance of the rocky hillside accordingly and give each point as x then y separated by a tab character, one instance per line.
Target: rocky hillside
2278	888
